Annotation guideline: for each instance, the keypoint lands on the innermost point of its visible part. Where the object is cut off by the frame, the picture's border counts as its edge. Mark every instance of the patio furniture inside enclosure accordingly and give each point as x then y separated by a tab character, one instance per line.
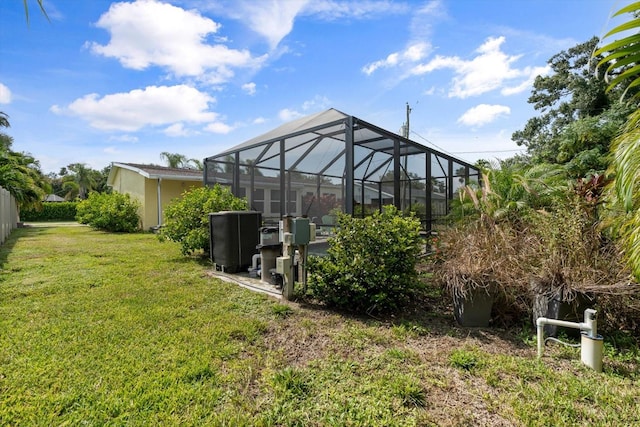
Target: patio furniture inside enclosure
330	161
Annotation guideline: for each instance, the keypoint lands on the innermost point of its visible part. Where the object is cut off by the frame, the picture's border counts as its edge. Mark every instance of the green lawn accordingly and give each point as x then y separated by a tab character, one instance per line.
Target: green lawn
117	329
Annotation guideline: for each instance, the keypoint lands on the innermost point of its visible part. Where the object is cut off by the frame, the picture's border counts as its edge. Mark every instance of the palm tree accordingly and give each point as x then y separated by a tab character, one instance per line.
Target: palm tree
83	177
20	175
40	3
622	59
195	164
4	120
174	160
19	172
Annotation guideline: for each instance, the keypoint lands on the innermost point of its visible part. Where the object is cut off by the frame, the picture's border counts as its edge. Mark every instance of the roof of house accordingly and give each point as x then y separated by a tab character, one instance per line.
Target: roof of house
53	198
156	172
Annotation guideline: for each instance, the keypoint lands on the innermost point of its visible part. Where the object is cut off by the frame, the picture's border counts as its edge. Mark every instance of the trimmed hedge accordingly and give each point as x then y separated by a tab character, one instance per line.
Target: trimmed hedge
51	211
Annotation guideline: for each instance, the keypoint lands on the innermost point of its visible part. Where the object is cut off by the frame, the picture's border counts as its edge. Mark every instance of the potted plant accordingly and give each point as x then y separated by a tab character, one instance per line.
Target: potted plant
571	262
475	270
482	249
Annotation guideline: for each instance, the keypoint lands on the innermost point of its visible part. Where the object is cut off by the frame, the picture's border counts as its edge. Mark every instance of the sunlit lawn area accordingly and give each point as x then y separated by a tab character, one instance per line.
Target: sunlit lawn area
119	329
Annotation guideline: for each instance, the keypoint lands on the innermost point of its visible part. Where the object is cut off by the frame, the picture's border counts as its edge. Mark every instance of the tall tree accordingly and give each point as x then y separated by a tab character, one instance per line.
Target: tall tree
20	174
571	92
80	182
622	62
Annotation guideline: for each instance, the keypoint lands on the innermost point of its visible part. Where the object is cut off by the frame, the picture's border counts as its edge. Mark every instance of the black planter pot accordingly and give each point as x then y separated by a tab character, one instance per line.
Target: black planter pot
473	309
562	306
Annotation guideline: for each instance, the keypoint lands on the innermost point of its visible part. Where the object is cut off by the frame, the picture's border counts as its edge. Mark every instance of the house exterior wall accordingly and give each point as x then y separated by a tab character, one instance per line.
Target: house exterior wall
169	190
132	183
145	190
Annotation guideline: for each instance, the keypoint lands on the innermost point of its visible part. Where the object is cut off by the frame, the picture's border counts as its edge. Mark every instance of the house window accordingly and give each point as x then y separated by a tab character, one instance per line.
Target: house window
275	201
257	201
293	202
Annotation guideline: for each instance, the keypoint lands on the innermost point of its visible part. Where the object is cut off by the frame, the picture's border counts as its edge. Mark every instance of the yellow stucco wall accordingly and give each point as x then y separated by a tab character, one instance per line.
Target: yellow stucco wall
169	190
132	183
145	190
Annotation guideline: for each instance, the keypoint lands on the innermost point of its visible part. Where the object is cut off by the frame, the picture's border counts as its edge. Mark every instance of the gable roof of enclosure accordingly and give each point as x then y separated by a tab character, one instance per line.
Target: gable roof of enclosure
314	144
331	124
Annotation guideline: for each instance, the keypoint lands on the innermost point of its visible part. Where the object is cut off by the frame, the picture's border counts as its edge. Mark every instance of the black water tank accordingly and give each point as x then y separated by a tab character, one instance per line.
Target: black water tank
233	236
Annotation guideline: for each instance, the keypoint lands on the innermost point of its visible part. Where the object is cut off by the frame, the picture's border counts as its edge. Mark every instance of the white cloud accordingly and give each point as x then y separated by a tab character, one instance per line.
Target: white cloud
176	129
317	103
430	91
483	114
272	19
150	33
413	53
124	138
249	88
275	19
532	73
489	70
287	115
5	94
308	107
259	121
332	10
152	106
218	127
417	47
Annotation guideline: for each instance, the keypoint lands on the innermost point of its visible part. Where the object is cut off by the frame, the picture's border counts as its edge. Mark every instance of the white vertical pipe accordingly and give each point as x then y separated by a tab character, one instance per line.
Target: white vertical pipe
159	202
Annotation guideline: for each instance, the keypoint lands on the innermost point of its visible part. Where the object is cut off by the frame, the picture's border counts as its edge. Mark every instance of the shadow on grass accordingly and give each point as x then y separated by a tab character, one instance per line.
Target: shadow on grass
431	313
16	234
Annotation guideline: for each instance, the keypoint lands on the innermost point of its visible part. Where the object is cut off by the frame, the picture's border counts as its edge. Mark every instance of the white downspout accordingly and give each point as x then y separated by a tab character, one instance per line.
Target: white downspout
159	202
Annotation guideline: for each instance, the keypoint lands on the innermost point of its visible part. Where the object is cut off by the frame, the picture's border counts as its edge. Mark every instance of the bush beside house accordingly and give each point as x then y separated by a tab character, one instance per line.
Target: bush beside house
187	218
110	212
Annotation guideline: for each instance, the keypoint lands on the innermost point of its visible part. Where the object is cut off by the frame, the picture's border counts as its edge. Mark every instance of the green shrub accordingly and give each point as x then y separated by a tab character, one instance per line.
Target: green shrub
110	212
51	211
370	265
187	218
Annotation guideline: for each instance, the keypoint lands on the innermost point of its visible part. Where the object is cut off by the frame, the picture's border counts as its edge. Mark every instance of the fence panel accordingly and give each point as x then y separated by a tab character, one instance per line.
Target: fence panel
8	214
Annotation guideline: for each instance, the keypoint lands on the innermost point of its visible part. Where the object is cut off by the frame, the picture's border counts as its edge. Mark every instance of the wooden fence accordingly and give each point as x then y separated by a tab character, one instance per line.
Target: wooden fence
8	214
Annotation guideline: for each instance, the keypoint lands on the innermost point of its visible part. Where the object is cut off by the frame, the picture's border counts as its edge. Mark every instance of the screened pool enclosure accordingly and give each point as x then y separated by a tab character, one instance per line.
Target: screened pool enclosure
327	162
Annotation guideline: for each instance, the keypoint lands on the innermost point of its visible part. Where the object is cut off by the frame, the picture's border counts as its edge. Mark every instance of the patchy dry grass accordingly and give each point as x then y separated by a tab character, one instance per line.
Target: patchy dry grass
114	329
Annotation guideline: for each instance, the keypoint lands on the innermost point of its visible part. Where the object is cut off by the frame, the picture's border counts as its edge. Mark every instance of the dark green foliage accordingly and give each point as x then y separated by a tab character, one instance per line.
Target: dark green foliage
573	92
370	264
110	212
58	211
187	218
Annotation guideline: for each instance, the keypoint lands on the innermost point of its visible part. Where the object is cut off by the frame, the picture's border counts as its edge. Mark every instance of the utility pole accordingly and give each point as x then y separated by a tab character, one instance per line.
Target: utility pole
404	185
406	129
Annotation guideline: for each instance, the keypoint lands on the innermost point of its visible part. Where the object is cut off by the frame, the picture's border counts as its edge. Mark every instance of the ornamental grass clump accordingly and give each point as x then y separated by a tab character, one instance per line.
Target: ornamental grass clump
487	241
570	259
370	265
485	255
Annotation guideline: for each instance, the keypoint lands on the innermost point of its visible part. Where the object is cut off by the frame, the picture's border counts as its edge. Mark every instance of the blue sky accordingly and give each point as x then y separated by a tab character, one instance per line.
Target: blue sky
108	81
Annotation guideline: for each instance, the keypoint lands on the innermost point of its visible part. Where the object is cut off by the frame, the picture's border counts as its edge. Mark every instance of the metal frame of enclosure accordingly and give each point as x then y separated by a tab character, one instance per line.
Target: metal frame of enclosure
330	161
